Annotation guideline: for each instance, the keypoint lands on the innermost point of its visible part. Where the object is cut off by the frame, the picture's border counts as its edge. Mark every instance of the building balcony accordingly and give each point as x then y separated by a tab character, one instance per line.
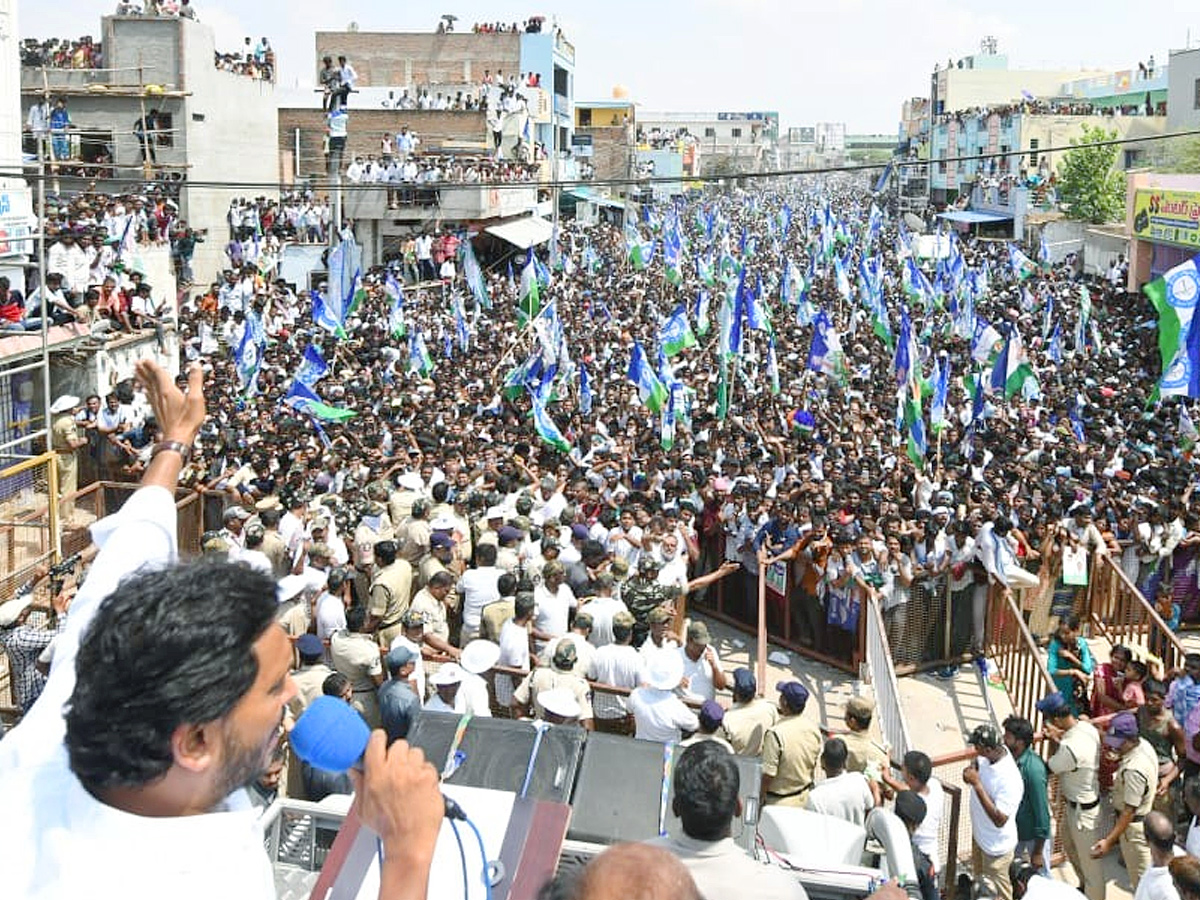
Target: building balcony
449	201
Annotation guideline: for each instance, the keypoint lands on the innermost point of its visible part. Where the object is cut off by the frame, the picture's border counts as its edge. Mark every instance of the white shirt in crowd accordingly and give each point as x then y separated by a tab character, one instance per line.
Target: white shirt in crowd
660	715
1002	782
847	796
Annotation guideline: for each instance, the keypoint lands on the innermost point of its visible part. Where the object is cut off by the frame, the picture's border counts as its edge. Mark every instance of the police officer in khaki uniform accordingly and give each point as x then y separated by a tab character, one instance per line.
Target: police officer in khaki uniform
864	754
356	655
1133	792
791	749
747	721
65	440
1076	762
391	591
311	674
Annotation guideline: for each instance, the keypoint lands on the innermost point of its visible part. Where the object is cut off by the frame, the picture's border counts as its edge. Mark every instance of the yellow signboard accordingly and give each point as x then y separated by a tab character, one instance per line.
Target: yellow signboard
1169	217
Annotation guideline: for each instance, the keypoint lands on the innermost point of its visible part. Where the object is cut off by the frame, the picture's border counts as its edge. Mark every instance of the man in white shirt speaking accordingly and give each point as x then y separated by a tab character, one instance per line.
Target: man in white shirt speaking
165	699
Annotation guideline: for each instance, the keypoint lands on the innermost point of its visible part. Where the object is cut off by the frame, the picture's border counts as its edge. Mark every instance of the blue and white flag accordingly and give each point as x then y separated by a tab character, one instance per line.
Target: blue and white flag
585	391
312	367
825	354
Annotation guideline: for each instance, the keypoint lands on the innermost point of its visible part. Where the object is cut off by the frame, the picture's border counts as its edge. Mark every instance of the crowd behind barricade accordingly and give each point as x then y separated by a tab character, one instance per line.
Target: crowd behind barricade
62	53
254	60
440	168
510	493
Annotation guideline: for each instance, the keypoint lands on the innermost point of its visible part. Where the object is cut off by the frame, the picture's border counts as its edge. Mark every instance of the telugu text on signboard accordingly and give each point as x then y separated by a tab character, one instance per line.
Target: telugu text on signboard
1171	217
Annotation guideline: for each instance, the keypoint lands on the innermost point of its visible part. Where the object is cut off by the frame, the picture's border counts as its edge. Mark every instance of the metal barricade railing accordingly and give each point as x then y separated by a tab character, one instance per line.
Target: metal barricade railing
1123	615
788	625
1016	655
889	709
29	519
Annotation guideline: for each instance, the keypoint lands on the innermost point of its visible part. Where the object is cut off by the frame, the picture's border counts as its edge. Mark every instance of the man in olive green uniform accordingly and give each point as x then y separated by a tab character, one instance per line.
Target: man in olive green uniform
1133	791
1076	762
747	721
65	439
391	591
643	594
791	750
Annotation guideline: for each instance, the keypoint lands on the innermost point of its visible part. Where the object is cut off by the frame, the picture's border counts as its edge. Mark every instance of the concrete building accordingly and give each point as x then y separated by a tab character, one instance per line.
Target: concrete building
603	143
728	142
213	126
389	64
1183	90
1160	219
16	205
955	139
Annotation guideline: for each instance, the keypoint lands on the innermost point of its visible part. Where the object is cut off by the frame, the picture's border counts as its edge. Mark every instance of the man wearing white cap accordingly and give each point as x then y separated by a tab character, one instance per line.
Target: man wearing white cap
25	644
65	440
658	714
478	657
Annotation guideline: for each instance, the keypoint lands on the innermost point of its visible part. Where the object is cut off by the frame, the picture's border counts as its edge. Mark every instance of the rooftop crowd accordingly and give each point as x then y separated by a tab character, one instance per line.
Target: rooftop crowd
443	477
62	53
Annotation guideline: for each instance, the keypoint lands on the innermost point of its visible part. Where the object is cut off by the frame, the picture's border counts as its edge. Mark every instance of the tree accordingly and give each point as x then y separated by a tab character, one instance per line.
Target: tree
1090	186
1181	155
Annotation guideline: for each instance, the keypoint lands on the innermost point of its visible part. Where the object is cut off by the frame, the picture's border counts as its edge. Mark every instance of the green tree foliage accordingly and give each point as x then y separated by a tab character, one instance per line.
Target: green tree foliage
1182	155
1090	186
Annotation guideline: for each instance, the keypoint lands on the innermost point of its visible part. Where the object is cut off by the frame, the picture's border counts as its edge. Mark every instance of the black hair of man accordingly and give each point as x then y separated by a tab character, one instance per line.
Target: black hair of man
337	577
439	492
706	791
524	604
270	517
622	634
919	766
167	648
385	552
1021	729
440	580
335	684
834	755
356	617
485	555
506	584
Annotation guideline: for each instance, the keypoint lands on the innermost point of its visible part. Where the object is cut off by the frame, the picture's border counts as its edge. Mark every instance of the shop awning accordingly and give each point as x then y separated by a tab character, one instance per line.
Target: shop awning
972	216
591	196
523	233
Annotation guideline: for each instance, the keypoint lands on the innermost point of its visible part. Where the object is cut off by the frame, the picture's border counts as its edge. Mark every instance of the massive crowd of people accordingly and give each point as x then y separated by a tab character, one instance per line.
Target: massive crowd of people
448	476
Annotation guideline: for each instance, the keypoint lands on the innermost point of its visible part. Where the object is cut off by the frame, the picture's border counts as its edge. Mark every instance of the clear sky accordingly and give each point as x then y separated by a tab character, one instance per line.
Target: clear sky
852	61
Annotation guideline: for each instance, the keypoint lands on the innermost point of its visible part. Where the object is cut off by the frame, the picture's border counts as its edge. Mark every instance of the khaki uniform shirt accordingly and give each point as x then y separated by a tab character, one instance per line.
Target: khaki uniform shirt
864	755
791	749
545	679
391	591
308	686
1076	762
493	617
64	433
1136	780
412	540
293	616
433	611
400	504
747	723
366	537
274	548
357	657
430	567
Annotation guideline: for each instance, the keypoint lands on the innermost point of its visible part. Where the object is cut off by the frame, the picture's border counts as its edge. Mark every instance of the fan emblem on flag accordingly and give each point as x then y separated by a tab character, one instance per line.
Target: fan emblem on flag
1179	374
1182	290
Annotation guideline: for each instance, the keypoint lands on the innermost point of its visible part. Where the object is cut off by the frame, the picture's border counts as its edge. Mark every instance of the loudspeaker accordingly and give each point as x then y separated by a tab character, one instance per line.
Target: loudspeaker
619	789
496	754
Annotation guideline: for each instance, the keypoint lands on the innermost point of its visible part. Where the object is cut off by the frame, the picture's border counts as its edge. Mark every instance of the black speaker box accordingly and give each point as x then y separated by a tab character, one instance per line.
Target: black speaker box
617	794
496	754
